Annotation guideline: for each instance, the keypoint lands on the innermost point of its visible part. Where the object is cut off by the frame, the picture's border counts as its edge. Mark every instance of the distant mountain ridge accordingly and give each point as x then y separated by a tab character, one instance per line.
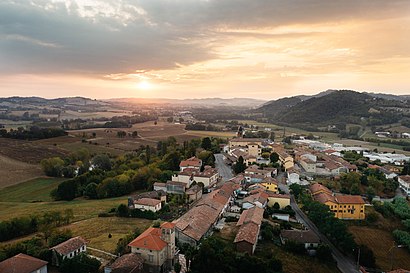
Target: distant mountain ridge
337	107
244	102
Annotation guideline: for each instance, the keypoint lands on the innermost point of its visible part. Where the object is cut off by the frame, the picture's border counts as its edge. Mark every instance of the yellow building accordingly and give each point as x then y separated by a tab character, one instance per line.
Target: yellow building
285	159
347	207
270	185
282	199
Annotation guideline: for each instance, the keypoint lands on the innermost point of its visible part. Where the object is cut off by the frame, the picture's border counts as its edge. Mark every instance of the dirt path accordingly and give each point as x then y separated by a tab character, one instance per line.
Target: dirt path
13	171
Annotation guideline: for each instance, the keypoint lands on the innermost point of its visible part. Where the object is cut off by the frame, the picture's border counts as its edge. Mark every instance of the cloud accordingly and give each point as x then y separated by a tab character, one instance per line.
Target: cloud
206	44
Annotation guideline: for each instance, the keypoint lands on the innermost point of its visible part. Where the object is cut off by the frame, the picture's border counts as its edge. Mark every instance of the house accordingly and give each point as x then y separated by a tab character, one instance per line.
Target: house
194	193
249	227
208	177
193	163
158	186
258	198
404	183
293	176
308	165
270	184
282	199
319	188
306	237
128	263
343	206
150	204
175	187
22	263
156	246
285	159
68	249
254	169
159	194
197	223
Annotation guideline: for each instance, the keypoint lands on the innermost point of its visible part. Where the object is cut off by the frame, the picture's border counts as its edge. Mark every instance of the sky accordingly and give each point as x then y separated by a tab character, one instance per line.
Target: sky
263	49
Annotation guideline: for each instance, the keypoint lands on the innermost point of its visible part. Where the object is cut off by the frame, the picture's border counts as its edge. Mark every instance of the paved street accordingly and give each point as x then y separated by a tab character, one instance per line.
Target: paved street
344	264
224	170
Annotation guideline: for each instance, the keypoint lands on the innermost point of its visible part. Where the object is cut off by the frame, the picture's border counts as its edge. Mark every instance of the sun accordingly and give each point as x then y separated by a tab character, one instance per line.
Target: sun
144	85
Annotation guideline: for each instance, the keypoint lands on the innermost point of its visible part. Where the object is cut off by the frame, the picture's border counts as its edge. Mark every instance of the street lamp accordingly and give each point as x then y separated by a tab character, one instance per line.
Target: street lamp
391	253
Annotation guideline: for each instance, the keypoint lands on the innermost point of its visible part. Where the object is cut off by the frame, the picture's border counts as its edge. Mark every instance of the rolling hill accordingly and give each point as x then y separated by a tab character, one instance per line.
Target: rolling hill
336	107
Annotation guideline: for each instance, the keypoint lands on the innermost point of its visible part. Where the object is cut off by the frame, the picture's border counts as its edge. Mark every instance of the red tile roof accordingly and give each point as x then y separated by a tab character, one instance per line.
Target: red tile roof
300	236
168	225
254	215
277	195
350	199
128	263
70	245
405	178
149	239
324	197
147	202
248	232
21	263
193	161
315	188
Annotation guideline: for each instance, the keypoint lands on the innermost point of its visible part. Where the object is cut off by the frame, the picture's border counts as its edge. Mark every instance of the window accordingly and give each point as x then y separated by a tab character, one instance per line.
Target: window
150	258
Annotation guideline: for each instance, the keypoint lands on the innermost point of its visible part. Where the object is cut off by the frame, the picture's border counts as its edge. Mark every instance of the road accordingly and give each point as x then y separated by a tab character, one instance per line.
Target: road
224	170
344	264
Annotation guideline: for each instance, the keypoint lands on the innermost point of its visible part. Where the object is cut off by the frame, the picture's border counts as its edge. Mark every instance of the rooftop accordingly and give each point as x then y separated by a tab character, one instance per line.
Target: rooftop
314	188
70	245
254	215
193	161
21	263
147	202
248	232
149	239
128	263
300	236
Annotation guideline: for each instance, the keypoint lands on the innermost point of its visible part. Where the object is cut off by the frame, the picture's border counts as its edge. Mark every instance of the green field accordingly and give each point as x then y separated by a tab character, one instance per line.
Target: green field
36	190
33	197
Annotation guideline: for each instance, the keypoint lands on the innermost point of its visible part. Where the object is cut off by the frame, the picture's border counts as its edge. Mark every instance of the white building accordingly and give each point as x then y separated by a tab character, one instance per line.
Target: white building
68	249
150	204
404	183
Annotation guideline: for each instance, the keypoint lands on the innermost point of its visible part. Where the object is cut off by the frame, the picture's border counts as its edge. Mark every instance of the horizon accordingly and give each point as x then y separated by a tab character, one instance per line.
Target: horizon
196	49
202	98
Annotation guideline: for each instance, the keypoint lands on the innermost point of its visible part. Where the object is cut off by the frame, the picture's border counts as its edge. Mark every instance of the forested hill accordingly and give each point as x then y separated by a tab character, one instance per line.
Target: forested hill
337	107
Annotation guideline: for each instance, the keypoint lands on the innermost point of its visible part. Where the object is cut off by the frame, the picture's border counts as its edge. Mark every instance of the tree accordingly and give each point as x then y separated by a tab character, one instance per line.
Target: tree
102	162
266	155
52	166
239	166
91	191
134	134
122	210
177	267
170	119
81	263
121	134
206	143
274	157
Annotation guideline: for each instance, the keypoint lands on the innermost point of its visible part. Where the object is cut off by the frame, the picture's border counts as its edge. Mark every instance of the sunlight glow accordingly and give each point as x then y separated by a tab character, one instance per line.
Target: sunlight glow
144	85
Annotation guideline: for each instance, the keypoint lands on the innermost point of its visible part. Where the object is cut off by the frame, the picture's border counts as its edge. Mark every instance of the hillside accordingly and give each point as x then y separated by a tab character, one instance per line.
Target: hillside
336	108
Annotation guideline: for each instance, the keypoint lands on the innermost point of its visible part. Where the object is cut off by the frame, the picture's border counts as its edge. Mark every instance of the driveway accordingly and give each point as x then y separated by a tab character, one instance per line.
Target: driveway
224	169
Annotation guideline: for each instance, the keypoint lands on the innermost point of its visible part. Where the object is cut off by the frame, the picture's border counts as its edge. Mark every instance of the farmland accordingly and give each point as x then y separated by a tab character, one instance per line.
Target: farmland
13	171
33	197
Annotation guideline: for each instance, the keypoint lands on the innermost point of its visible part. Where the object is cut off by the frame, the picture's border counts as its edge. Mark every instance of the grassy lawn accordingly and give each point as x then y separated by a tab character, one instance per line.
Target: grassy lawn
380	241
24	199
96	230
293	263
34	190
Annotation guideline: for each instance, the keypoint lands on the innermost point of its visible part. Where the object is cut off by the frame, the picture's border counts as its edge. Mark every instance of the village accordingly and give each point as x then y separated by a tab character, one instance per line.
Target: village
257	192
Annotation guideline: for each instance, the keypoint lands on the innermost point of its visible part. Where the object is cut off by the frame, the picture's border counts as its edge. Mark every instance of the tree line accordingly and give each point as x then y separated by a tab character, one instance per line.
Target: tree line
102	176
33	133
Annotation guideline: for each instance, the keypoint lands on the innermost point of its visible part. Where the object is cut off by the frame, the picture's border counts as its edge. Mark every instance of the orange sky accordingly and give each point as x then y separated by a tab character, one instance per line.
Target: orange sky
194	49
